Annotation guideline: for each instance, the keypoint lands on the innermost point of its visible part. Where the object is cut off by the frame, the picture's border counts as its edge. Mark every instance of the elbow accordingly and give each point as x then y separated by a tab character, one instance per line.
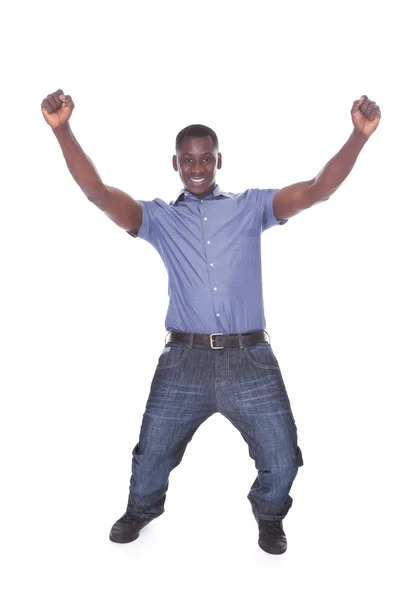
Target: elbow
317	195
97	194
321	199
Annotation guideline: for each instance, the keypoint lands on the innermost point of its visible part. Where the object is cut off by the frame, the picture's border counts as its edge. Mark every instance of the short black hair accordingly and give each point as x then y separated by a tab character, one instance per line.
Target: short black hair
196	131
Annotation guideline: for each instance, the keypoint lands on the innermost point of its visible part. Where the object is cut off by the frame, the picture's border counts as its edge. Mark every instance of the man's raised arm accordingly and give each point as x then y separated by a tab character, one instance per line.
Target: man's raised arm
119	206
292	199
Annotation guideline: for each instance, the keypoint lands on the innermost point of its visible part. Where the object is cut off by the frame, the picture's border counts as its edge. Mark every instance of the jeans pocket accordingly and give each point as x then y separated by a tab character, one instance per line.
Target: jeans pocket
173	354
261	355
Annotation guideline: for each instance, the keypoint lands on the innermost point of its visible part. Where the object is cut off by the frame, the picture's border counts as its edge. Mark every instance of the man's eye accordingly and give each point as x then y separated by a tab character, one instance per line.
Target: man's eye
188	159
208	159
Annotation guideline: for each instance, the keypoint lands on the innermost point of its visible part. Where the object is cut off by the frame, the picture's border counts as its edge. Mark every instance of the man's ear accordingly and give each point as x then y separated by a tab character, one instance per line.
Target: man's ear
219	163
175	162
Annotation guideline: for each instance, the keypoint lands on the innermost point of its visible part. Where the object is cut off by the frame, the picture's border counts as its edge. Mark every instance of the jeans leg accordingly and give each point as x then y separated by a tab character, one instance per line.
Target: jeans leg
257	404
178	404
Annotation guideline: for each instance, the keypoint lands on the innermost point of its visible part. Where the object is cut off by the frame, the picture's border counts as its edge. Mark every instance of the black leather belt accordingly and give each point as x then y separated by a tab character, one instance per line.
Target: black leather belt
218	341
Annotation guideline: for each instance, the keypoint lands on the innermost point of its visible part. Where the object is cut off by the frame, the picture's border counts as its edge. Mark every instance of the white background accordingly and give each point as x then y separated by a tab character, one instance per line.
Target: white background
83	304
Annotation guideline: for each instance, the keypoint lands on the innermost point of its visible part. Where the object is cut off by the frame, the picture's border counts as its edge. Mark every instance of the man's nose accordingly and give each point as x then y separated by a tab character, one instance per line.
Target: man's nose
198	169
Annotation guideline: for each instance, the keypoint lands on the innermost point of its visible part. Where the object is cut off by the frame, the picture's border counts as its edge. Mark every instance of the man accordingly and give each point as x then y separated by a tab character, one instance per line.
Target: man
217	356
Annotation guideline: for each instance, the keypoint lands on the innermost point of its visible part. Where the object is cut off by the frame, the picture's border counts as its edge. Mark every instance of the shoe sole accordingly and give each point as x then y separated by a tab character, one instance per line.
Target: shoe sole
117	540
280	551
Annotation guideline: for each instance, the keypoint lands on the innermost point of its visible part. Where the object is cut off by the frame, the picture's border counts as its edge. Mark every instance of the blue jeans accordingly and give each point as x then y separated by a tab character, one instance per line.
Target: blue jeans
191	384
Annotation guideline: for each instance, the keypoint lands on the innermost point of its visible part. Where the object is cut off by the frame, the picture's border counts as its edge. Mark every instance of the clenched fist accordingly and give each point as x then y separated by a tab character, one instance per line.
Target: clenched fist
365	115
57	109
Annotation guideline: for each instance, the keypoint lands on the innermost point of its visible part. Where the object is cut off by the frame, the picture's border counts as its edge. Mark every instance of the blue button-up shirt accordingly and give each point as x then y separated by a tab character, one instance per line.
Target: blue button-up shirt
211	250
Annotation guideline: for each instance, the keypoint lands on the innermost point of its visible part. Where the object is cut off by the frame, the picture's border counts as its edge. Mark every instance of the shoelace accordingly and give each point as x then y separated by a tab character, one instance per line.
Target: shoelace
274	526
129	519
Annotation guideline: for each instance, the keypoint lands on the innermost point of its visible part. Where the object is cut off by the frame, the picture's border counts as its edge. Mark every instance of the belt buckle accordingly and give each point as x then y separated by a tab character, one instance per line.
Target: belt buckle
211	341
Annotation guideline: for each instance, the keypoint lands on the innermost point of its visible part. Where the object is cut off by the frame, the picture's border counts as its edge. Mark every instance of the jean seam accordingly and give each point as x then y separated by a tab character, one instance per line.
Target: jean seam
217	385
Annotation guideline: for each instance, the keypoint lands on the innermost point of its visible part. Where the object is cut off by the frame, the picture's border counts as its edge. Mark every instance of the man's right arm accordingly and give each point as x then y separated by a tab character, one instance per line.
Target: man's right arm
117	205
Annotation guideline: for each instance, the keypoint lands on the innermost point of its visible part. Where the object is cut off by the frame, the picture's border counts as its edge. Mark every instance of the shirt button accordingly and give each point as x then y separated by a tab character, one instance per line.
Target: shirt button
201	200
205	219
215	289
211	264
208	242
218	314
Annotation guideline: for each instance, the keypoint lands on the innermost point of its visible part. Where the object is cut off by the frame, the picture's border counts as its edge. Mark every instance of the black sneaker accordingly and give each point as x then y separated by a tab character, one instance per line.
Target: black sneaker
127	529
272	538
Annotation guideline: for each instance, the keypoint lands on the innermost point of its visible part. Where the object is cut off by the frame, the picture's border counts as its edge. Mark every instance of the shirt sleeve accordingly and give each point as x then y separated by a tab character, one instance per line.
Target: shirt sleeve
264	200
146	229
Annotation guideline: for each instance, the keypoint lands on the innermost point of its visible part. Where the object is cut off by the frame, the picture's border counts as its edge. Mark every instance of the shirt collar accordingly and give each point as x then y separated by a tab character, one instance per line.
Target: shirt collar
216	193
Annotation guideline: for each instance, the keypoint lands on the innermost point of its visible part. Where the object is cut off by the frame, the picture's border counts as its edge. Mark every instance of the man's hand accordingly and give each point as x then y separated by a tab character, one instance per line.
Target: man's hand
365	115
57	109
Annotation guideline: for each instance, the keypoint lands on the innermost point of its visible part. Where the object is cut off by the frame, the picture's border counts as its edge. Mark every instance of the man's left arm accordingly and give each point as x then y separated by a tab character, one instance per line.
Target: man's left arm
292	199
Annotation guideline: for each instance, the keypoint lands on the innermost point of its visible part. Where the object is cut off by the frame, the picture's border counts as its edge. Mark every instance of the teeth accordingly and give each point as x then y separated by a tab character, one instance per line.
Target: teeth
197	180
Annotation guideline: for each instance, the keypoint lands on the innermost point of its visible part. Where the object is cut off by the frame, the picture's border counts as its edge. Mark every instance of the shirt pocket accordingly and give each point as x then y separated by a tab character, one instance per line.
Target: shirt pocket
244	253
245	235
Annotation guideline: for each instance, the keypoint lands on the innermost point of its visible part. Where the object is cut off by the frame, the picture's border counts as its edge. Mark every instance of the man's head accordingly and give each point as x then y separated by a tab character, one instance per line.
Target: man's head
197	159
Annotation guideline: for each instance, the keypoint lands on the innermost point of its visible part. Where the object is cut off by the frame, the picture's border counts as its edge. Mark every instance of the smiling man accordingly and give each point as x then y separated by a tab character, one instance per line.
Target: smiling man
197	159
217	356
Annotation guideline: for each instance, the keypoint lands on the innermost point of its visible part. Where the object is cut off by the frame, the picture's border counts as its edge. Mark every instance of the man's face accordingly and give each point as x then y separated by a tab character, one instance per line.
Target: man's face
197	161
